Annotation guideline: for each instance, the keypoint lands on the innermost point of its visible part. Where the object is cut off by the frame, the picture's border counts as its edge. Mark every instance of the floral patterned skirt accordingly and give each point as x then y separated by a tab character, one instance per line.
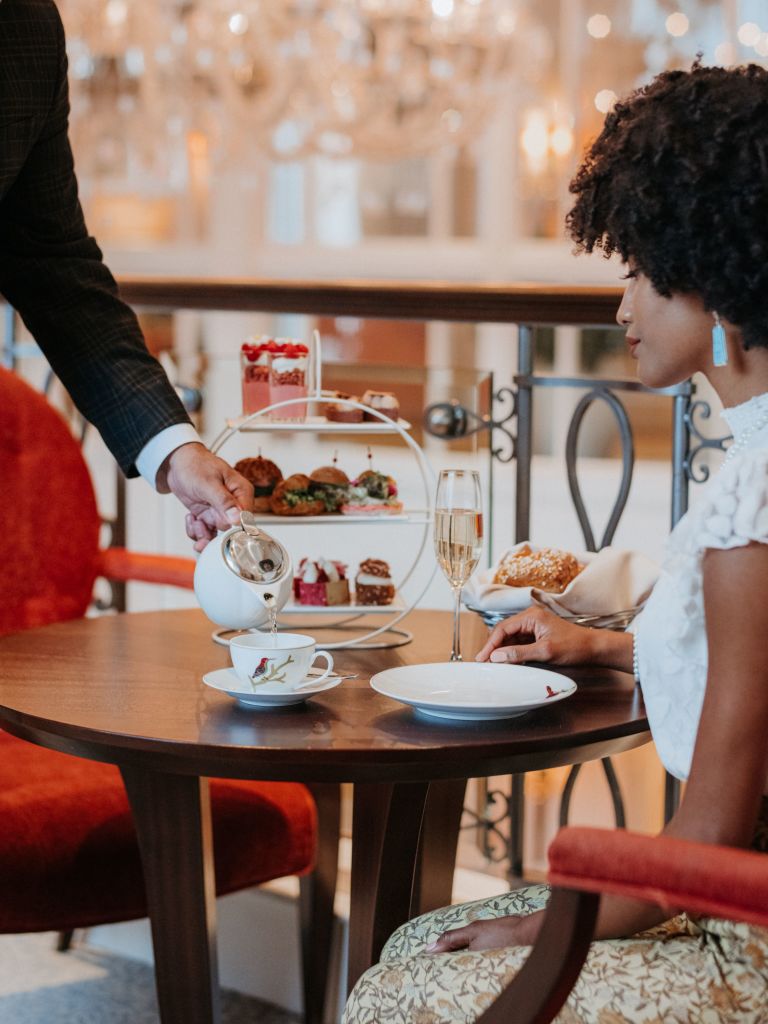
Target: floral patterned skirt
689	969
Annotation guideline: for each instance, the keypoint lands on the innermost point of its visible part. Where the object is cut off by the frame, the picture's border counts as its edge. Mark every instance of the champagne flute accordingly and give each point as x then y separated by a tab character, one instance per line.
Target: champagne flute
458	535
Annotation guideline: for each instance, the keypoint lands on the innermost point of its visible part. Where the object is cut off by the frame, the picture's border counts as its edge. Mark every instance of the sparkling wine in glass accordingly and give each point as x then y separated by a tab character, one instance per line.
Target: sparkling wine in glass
458	535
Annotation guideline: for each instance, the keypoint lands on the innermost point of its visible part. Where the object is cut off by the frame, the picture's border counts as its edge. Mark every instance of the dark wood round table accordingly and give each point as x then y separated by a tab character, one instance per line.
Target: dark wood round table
127	690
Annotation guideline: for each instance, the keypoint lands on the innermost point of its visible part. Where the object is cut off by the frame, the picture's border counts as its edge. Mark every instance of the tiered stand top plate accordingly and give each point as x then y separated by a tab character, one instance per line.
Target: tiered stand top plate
318	424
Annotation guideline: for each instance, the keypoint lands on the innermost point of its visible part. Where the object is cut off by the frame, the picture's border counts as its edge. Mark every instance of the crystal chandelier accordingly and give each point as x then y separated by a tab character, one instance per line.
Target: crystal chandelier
289	78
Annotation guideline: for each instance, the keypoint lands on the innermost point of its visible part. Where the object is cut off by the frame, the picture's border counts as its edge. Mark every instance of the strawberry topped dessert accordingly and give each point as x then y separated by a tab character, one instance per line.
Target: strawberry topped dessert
257	349
254	371
274	370
321	582
289	361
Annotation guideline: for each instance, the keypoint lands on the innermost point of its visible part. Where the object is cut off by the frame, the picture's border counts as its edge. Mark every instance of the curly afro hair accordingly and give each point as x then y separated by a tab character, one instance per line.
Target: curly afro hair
677	183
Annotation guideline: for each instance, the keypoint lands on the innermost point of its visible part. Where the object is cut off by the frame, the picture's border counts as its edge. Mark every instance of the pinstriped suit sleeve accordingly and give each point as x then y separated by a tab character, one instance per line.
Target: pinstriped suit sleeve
53	273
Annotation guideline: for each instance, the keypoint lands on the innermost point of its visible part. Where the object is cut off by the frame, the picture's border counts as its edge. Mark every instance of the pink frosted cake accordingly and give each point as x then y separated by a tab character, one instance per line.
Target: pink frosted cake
321	582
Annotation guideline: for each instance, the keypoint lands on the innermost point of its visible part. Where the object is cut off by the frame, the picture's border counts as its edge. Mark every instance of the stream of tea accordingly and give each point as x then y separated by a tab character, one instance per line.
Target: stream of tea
272	609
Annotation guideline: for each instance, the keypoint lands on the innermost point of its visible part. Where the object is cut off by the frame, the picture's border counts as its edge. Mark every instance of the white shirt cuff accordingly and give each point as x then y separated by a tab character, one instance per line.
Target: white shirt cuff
157	450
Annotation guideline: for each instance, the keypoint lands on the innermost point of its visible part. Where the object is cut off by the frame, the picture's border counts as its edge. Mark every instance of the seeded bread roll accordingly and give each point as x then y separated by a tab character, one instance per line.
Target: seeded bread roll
547	569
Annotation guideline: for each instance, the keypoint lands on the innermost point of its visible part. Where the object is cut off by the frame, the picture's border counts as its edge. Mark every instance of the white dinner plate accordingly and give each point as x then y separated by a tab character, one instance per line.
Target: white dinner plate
469	690
226	680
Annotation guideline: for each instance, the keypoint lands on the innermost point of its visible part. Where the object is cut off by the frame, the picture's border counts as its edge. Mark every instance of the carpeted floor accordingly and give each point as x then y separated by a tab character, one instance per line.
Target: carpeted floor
40	986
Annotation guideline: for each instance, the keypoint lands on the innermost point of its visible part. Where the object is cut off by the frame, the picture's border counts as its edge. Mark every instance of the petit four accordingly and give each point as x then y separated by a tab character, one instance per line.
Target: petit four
373	583
321	582
382	401
337	412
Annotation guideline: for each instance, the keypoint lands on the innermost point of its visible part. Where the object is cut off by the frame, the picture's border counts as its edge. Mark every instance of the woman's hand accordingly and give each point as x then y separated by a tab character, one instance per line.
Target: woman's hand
495	934
537	634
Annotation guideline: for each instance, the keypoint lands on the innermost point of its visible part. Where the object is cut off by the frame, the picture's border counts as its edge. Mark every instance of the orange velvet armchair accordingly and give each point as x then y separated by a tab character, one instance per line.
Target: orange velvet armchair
68	852
676	874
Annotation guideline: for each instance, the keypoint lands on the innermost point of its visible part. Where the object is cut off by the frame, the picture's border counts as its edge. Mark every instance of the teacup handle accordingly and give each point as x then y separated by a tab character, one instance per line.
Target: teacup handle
329	663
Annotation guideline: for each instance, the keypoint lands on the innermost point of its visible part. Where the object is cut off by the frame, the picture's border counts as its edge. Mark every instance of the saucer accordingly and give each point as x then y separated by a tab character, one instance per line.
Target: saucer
472	691
226	680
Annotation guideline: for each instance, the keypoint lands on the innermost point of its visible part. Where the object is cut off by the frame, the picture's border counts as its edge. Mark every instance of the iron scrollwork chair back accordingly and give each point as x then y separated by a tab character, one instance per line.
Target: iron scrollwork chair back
616	406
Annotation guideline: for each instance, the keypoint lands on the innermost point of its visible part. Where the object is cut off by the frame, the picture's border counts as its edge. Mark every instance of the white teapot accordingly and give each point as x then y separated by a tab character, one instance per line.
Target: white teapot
242	575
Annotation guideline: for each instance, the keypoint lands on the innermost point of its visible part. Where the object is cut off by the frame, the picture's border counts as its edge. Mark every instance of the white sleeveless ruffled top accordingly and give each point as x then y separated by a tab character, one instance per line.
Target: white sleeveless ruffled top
670	633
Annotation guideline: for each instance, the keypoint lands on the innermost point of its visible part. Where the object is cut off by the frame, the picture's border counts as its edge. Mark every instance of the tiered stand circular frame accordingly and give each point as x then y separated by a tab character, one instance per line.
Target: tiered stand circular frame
390	634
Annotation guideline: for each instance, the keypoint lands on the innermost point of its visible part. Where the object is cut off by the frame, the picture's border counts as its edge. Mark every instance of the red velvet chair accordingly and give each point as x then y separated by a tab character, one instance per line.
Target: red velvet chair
676	874
68	852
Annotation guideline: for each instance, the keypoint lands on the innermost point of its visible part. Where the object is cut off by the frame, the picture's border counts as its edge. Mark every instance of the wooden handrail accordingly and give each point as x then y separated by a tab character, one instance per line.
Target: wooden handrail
387	300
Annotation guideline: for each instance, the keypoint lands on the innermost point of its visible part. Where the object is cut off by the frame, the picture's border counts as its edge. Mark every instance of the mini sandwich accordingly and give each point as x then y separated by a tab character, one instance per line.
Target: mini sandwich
264	475
293	497
373	494
331	485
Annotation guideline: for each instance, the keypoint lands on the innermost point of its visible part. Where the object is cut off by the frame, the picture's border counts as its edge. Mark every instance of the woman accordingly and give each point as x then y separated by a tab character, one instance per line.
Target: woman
677	185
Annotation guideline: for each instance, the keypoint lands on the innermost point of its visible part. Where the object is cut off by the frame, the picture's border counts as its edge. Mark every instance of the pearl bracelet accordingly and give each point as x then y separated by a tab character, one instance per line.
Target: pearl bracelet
635	659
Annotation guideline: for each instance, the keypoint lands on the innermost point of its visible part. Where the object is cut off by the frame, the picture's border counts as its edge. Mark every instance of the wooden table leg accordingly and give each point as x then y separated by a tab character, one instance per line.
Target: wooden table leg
173	823
433	885
316	902
386	823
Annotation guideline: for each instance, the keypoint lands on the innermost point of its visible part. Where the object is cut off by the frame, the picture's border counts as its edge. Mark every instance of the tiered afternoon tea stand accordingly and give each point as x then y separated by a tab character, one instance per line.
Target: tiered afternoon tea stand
346	620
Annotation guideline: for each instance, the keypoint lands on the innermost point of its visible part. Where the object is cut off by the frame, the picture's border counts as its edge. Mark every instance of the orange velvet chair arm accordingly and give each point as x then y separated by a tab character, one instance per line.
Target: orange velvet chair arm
676	874
126	566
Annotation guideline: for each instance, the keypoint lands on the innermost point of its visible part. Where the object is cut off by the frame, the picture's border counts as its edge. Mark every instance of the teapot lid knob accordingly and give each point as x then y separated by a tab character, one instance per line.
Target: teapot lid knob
252	554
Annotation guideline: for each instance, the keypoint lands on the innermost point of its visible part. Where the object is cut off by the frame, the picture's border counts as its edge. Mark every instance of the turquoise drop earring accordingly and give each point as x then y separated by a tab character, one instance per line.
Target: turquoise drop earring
719	348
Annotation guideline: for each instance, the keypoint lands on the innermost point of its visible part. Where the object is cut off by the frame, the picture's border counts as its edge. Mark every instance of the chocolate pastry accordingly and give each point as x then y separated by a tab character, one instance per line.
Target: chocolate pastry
373	583
264	475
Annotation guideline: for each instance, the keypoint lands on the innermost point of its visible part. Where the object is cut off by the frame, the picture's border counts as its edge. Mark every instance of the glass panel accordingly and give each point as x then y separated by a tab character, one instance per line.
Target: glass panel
285	209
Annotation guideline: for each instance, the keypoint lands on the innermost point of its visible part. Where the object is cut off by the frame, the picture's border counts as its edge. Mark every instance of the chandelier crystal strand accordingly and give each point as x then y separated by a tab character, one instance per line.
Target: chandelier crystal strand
289	78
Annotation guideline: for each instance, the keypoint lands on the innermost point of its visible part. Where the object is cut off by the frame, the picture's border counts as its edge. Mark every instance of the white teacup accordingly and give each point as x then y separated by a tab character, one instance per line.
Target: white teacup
276	662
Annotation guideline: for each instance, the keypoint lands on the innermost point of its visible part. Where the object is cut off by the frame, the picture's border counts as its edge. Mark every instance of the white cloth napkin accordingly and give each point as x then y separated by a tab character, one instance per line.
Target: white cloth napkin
612	580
